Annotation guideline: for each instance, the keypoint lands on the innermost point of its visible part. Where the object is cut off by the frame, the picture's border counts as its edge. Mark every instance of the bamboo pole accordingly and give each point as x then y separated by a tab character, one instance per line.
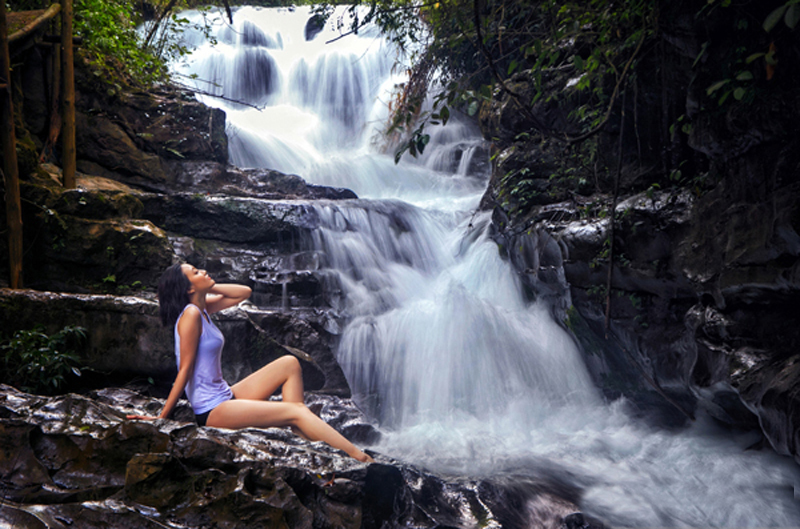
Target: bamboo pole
42	19
68	72
10	170
49	149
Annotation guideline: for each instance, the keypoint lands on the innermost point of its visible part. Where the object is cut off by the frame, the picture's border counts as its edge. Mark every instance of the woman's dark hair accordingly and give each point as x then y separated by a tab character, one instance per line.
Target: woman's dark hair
173	294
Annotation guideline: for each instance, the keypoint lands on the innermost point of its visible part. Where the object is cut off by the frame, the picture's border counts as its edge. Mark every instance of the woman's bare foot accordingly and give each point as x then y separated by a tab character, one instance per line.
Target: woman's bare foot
358	454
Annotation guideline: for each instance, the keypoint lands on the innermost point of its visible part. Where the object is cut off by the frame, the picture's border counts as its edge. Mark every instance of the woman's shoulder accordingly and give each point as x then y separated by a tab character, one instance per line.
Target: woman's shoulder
191	313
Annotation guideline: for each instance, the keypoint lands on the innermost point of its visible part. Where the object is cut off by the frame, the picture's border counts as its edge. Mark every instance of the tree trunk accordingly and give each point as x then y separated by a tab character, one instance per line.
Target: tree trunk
10	170
49	150
68	73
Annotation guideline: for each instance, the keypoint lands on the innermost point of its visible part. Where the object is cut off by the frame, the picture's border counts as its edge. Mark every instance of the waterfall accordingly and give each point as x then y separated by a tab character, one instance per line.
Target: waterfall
440	346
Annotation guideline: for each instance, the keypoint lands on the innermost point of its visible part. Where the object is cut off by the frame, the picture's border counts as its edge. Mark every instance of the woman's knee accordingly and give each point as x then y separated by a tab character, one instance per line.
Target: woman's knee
291	364
297	412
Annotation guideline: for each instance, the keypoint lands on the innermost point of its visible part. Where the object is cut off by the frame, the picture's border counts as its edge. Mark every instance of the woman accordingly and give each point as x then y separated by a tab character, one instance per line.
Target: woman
186	298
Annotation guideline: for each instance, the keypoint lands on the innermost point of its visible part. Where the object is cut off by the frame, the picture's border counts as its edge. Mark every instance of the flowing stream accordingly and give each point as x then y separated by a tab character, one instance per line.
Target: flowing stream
464	377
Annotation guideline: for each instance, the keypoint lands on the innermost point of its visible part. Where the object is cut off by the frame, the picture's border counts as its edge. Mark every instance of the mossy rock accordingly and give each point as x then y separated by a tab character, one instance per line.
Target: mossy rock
95	255
27	156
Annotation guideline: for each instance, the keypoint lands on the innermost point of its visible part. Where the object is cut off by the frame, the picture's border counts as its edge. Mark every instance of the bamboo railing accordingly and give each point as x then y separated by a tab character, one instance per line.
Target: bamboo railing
35	23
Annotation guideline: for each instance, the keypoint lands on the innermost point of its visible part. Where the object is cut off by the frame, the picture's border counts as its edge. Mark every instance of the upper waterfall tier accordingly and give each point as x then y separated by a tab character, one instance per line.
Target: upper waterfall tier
318	109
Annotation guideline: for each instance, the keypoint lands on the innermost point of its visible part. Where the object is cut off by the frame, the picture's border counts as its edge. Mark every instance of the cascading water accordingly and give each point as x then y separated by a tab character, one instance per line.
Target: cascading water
440	346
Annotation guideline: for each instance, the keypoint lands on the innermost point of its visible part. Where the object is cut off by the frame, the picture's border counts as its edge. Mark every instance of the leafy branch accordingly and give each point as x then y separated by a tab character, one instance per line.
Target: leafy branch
41	363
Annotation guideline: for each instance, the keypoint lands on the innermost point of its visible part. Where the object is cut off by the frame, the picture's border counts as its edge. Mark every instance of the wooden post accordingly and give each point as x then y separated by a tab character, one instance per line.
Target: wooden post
68	73
10	169
49	149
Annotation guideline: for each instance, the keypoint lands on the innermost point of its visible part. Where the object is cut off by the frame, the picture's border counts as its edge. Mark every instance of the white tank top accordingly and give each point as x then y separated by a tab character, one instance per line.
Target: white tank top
206	388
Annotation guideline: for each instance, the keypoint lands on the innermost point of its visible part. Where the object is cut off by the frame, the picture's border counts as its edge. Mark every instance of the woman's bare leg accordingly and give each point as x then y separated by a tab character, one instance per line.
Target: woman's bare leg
284	373
240	413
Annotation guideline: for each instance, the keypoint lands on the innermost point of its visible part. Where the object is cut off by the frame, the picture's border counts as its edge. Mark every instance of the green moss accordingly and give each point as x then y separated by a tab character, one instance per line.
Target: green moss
27	156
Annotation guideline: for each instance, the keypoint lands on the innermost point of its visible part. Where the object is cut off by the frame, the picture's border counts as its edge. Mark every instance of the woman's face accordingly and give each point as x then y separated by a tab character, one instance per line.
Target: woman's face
199	279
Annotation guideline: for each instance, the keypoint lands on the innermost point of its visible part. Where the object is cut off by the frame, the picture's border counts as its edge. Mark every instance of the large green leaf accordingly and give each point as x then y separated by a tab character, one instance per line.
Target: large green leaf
792	16
774	17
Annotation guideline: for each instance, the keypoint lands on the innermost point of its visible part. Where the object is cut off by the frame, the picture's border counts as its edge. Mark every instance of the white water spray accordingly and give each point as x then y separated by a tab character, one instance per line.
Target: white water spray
440	346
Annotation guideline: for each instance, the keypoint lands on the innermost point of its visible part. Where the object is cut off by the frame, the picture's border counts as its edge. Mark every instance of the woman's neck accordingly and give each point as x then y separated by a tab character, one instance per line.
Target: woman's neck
198	299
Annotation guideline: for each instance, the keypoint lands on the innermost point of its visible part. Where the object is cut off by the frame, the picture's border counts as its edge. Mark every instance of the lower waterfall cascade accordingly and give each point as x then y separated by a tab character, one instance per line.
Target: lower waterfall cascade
440	347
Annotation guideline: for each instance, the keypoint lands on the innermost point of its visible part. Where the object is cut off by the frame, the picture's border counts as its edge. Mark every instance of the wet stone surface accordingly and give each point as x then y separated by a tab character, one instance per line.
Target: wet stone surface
75	461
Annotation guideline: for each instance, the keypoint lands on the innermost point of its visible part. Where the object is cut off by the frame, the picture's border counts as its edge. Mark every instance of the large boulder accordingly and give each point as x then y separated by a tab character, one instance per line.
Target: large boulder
75	461
231	219
90	239
217	178
134	137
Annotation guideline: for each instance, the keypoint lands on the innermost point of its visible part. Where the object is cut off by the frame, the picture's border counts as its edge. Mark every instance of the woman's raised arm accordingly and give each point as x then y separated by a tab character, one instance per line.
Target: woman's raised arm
223	296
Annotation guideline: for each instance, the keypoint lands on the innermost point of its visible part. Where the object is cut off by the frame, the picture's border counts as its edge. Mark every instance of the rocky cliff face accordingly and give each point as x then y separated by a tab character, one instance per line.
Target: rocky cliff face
706	244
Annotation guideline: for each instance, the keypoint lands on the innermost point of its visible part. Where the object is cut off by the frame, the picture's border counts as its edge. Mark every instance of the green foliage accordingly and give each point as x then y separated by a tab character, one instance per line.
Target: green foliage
116	53
112	47
743	66
597	292
480	51
518	191
600	41
35	362
581	57
477	48
602	255
789	12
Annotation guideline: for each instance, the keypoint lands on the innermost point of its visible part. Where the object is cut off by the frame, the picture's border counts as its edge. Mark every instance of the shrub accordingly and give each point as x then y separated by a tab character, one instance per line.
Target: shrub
111	44
35	362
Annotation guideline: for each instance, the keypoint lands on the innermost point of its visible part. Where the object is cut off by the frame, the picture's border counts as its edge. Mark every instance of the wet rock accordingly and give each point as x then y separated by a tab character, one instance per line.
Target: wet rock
770	388
167	142
217	178
578	520
697	298
304	335
93	198
503	119
160	470
133	137
314	25
100	253
518	502
107	150
344	415
384	493
127	327
726	406
289	288
90	239
75	461
230	219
